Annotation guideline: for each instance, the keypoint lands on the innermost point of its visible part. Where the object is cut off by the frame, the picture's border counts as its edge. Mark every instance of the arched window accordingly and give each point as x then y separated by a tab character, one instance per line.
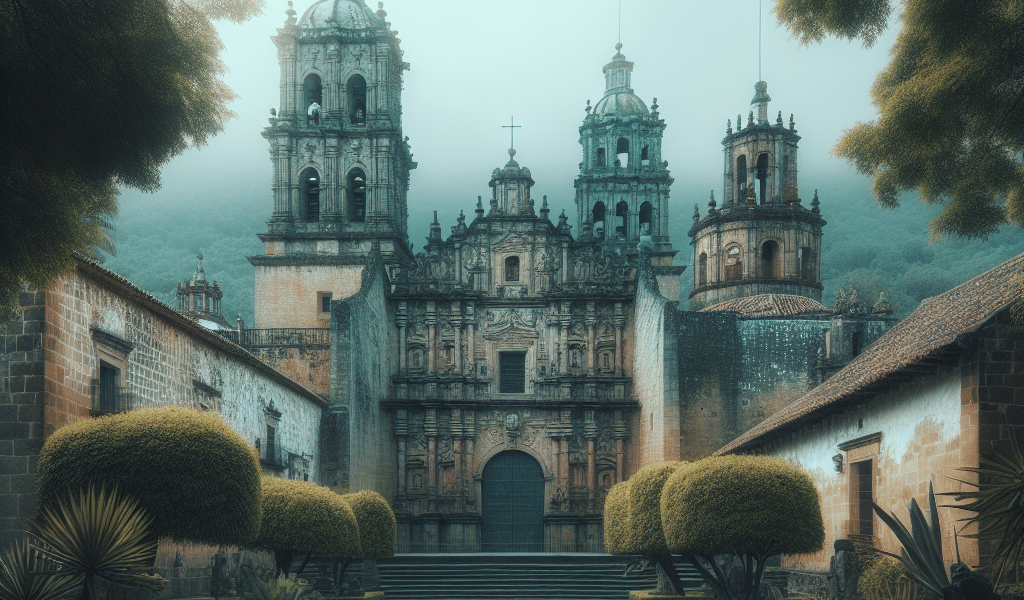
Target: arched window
771	260
622	152
762	178
644	157
311	92
733	263
741	178
309	188
357	99
512	268
357	196
621	218
600	158
702	269
598	218
646	221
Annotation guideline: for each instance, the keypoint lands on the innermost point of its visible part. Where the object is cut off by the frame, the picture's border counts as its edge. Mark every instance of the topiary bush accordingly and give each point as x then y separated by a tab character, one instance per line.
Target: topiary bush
616	519
301	517
753	507
378	530
195	476
883	580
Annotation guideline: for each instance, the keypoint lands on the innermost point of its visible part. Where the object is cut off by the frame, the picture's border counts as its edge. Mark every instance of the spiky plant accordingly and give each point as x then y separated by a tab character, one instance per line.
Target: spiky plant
998	507
98	534
922	544
19	579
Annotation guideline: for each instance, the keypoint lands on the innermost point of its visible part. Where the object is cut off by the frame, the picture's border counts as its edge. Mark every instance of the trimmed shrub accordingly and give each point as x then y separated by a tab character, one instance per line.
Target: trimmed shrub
616	519
193	474
748	505
378	530
882	579
646	535
301	517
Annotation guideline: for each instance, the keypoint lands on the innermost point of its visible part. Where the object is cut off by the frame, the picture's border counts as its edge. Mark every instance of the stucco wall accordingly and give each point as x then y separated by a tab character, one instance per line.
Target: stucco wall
921	441
288	295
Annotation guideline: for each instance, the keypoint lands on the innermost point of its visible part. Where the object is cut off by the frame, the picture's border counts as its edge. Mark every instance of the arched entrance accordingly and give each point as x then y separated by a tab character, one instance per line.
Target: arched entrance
513	504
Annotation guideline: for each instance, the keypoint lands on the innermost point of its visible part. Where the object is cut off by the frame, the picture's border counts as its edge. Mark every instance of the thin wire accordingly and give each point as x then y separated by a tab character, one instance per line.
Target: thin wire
620	21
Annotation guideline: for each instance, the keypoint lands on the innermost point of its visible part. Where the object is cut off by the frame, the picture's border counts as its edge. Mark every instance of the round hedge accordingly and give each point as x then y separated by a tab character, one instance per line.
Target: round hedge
378	531
741	504
646	536
194	475
302	517
616	519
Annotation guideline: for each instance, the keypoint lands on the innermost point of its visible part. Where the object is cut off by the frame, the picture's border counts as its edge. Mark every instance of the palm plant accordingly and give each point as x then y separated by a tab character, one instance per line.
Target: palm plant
922	544
19	581
998	507
96	534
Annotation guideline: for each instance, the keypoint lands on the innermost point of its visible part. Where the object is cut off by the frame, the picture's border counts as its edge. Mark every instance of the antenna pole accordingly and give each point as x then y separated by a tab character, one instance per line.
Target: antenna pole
620	21
758	39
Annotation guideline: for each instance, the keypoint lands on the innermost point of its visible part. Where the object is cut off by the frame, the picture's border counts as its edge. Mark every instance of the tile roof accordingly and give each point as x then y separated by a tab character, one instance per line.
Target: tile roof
936	324
769	305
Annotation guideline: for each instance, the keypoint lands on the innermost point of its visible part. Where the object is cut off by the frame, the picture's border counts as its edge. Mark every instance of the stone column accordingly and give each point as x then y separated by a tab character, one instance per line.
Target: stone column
329	209
456	319
401	432
403	321
619	321
566	425
590	433
430	429
431	336
470	323
591	350
619	435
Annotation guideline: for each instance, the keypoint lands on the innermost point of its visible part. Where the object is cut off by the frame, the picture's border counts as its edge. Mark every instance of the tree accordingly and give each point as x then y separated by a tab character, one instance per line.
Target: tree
194	476
748	508
378	529
951	105
301	517
97	94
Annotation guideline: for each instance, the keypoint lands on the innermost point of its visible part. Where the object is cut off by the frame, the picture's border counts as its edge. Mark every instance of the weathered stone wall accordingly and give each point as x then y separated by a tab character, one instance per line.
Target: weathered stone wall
921	439
308	365
21	413
358	436
52	358
655	373
289	296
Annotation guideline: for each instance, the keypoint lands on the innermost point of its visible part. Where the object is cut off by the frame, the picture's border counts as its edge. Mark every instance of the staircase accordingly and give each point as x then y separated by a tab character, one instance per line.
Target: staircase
514	577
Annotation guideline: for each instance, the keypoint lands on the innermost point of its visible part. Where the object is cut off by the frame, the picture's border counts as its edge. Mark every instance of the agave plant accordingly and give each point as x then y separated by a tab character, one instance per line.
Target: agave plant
18	578
96	534
998	507
922	544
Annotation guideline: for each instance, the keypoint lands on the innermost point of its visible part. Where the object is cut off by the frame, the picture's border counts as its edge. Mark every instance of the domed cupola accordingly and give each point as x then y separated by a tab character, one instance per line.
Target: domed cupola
623	186
619	99
344	14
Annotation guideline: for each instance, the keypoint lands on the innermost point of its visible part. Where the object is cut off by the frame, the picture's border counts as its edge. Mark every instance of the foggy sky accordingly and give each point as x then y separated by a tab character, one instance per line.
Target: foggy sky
475	64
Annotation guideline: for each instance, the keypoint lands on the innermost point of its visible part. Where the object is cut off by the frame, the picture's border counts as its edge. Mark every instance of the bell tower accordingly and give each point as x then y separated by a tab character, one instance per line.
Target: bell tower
622	190
341	165
762	240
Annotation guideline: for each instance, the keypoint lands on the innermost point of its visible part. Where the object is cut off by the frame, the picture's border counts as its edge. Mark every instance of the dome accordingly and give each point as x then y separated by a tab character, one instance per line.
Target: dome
770	305
346	14
621	104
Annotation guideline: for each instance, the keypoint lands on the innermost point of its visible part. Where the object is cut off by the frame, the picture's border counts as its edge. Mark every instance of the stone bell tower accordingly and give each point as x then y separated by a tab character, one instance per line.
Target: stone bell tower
341	163
762	240
622	190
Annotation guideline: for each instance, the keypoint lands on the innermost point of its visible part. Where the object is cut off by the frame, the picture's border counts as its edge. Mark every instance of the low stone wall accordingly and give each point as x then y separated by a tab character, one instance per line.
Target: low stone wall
810	583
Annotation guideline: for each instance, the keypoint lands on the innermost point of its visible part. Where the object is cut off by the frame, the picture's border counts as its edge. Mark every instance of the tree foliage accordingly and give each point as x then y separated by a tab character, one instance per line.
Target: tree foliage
193	474
747	507
378	529
951	105
97	94
301	517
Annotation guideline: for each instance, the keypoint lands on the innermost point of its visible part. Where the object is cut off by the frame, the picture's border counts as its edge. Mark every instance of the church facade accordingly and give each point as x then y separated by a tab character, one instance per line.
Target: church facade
495	385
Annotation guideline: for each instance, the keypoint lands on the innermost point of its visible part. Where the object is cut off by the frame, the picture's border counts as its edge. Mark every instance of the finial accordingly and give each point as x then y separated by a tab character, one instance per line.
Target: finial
750	118
778	121
654	108
511	153
479	201
815	203
792	124
380	10
728	126
291	14
200	256
712	204
618	47
435	219
696	213
589	108
739	122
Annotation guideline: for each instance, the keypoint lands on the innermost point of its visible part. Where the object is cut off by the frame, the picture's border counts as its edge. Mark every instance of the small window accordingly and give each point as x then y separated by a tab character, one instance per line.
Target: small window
863	479
646	218
309	182
762	178
644	157
110	378
513	372
741	177
357	99
325	301
357	196
512	268
702	269
771	260
621	218
622	152
600	158
598	219
733	264
271	442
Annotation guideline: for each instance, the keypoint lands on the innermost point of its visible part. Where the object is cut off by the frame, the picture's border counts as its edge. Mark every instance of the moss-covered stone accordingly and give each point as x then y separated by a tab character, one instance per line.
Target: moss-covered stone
743	505
195	476
378	531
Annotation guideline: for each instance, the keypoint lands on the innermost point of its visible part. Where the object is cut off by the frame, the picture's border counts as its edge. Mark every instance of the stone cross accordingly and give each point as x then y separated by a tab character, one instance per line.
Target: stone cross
512	130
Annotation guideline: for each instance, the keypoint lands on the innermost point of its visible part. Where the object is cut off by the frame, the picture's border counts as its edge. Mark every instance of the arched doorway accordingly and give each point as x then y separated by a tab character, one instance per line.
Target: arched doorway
513	504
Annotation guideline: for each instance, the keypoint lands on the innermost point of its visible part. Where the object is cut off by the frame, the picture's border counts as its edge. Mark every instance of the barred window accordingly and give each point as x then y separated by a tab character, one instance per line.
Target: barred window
513	372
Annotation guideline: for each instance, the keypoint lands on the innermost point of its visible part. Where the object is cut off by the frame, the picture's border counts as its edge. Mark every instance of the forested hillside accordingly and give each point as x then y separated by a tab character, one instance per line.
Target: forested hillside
864	246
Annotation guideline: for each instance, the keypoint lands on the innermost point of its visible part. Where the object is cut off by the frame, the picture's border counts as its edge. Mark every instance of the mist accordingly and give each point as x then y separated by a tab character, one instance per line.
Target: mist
475	65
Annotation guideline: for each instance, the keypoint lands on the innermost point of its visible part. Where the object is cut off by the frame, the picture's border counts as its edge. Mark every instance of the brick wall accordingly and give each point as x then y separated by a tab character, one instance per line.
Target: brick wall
21	413
288	296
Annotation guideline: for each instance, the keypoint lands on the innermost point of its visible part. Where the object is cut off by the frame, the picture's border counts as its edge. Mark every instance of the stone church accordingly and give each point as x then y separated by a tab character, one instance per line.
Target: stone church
495	385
